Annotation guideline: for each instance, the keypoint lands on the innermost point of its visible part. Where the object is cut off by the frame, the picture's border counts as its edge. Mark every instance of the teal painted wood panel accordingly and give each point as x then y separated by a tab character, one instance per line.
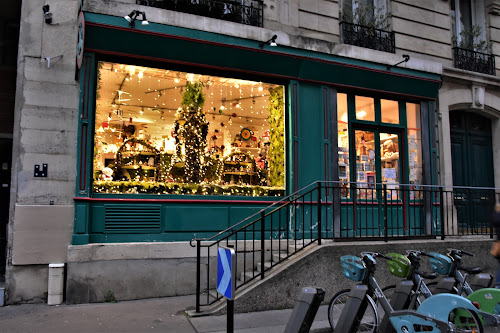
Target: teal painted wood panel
81	218
238	214
98	213
196	218
310	128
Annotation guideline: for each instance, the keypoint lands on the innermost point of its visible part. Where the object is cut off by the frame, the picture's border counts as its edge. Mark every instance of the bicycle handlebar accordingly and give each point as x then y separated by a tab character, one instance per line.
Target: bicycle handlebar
376	254
460	252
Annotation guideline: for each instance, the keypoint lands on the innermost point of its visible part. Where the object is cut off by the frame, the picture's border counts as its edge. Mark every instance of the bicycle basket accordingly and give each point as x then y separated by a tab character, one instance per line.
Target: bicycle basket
353	268
440	264
399	265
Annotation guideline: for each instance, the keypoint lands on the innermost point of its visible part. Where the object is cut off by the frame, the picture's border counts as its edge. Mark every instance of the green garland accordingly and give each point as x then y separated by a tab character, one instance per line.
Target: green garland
276	152
138	187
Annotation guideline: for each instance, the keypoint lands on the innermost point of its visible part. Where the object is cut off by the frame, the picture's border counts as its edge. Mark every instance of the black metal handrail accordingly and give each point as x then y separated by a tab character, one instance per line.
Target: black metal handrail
371	38
220	9
473	61
341	211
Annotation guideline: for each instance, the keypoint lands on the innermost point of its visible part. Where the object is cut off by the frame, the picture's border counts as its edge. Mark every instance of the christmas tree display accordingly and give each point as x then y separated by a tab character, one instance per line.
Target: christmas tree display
192	125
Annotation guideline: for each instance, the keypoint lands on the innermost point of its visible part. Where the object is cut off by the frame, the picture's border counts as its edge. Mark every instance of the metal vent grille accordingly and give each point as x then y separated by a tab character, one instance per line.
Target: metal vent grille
141	219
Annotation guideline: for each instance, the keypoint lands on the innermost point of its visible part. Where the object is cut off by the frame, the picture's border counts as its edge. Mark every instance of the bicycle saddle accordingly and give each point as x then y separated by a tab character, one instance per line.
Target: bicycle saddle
426	275
470	270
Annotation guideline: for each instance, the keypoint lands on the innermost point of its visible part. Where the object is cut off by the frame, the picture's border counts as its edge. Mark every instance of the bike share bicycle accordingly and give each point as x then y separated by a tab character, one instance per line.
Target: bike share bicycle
431	316
421	291
488	299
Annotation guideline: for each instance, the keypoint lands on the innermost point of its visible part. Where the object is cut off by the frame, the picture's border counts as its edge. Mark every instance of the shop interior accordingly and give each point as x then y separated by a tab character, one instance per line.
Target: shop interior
152	126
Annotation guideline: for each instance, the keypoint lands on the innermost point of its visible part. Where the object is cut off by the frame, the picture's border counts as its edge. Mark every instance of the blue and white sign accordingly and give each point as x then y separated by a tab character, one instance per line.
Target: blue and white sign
226	272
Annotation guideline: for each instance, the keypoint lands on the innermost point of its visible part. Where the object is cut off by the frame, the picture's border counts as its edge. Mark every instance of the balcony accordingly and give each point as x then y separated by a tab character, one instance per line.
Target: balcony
473	61
251	13
367	37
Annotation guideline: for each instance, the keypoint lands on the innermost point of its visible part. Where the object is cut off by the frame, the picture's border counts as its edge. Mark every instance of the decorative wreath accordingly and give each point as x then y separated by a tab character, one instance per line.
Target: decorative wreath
246	134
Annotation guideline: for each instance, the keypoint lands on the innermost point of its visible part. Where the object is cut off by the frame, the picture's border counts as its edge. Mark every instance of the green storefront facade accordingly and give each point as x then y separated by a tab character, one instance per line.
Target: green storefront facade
312	81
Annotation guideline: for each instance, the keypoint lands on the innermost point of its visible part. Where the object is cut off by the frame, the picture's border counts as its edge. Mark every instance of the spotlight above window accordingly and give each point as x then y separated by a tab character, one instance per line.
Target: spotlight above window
271	42
134	15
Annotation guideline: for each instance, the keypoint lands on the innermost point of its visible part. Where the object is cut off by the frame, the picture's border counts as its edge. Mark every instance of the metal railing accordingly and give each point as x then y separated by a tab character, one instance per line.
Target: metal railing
474	61
375	39
248	12
341	211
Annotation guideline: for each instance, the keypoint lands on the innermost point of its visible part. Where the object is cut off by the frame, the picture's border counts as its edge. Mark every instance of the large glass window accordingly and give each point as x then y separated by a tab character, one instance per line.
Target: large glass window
170	132
343	142
414	143
376	128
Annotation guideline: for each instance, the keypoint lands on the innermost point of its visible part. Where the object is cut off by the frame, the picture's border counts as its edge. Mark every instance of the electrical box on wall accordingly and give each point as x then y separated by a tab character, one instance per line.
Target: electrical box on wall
41	172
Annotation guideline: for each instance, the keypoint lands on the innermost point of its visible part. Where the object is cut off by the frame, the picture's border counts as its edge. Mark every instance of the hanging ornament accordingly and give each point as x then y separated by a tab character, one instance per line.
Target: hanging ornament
222	124
234	115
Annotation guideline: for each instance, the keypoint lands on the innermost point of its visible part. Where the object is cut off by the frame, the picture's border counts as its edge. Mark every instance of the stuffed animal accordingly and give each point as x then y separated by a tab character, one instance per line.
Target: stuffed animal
107	174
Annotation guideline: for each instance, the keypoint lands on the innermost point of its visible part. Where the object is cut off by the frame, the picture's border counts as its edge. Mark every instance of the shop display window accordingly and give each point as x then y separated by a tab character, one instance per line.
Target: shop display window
168	132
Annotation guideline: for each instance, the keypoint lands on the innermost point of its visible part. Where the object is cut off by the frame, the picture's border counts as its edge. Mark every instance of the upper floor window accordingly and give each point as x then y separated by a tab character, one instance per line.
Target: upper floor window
366	23
249	12
468	23
368	13
471	50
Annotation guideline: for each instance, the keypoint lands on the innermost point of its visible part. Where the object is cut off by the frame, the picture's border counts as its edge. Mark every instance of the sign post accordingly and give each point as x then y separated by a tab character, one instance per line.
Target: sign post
226	281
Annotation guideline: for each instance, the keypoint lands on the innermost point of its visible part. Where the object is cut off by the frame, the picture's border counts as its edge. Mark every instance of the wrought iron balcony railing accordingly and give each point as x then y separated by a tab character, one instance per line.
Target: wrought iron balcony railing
375	39
473	61
250	13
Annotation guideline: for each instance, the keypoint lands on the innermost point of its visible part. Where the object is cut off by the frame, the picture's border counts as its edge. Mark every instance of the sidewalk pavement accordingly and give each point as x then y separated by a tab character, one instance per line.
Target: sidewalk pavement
149	315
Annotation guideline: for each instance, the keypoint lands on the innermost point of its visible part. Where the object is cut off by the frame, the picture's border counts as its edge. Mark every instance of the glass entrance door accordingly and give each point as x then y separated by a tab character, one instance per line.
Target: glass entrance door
377	174
390	164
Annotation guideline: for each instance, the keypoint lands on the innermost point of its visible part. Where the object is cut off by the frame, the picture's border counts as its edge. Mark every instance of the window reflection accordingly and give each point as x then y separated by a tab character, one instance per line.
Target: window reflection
365	108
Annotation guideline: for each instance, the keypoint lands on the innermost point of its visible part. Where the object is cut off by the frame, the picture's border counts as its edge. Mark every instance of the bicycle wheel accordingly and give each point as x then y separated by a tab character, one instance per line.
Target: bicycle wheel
368	323
466	321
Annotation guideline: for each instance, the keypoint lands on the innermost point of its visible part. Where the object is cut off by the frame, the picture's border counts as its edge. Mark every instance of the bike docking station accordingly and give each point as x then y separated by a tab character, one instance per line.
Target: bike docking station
226	281
305	310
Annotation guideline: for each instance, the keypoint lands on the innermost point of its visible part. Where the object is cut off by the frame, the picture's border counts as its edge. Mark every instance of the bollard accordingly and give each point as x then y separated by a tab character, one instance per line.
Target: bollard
305	309
56	284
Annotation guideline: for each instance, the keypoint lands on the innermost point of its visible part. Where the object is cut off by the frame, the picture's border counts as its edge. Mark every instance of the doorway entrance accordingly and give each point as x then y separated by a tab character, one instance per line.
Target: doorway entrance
379	171
472	166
